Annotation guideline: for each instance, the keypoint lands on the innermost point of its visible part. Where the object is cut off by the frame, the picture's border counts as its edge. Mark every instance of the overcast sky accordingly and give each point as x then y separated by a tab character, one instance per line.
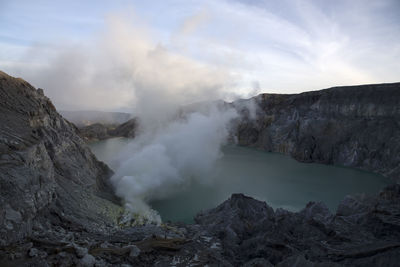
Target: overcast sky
107	54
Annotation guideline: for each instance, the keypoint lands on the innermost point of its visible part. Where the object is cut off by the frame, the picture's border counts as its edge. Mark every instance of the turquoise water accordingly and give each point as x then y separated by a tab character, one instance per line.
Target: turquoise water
277	179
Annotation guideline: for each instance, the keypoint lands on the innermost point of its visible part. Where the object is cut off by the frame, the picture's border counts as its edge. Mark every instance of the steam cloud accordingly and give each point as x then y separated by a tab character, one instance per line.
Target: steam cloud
170	150
125	68
153	167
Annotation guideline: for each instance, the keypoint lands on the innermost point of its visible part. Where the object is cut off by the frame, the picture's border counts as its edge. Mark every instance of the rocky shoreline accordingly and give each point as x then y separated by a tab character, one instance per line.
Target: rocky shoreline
355	126
57	209
242	231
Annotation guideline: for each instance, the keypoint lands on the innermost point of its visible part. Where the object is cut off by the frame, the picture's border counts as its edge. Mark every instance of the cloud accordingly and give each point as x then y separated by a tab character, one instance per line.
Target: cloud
163	79
285	46
124	68
192	23
159	162
295	46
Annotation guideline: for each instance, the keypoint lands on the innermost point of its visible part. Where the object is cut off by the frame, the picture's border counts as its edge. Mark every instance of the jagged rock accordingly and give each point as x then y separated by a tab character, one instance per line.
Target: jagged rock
248	229
126	129
45	167
311	237
317	212
357	126
351	205
98	131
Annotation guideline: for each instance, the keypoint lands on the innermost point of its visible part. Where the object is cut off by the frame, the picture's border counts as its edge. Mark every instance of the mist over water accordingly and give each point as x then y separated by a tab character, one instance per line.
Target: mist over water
158	162
277	179
125	67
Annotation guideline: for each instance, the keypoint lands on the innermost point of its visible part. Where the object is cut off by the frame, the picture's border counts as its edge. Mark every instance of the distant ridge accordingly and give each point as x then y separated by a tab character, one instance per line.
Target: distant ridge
89	117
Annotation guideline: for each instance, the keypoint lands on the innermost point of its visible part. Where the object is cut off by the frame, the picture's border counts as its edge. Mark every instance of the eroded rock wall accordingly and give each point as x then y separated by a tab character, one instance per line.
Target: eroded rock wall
357	126
44	163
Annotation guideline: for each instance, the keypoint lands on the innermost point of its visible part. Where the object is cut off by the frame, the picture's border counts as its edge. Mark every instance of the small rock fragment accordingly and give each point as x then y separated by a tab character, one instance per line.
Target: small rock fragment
135	251
88	261
33	252
80	251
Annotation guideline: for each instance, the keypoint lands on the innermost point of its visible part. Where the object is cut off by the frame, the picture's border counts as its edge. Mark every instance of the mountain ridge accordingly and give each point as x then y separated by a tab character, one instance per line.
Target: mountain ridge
356	126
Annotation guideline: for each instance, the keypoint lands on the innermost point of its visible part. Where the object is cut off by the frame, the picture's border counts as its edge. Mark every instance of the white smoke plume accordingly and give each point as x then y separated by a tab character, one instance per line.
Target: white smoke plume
125	67
152	167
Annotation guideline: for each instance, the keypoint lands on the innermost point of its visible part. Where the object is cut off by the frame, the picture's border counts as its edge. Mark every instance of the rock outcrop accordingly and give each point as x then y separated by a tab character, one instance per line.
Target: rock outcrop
365	231
98	131
45	167
126	129
56	209
357	126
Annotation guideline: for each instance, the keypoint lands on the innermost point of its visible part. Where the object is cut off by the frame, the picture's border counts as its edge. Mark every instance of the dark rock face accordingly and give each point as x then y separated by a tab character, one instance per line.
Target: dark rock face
44	165
126	129
357	126
240	232
98	131
369	236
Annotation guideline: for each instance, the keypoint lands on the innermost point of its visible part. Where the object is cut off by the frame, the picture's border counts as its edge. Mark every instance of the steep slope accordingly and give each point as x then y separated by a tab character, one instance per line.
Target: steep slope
357	126
45	164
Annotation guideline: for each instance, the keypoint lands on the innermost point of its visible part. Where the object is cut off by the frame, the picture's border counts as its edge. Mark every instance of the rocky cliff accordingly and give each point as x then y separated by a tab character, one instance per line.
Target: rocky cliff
45	167
357	126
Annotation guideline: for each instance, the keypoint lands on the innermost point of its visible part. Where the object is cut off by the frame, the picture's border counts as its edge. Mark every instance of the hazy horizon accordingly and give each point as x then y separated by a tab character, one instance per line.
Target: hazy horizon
123	55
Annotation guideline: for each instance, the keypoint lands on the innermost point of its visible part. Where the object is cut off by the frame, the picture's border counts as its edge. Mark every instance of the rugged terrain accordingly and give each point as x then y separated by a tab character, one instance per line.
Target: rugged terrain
101	131
100	125
357	126
57	209
83	118
45	167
